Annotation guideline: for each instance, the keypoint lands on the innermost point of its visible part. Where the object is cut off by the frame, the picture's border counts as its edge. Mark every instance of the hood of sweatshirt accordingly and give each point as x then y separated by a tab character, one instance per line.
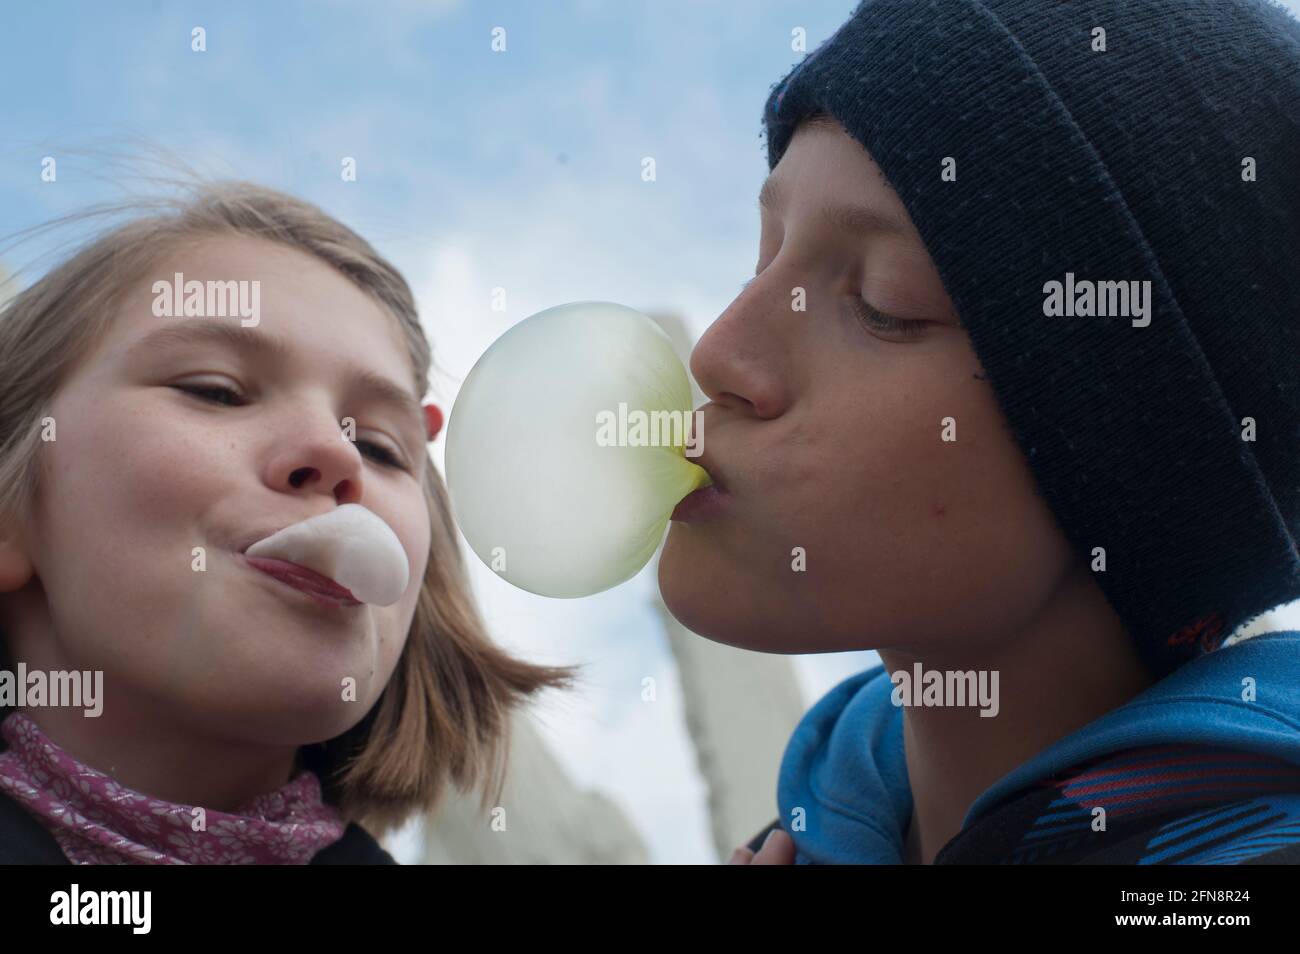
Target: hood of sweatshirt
843	788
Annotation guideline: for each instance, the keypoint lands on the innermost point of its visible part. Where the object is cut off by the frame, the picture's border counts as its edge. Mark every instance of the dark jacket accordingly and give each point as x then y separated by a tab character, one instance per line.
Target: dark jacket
25	841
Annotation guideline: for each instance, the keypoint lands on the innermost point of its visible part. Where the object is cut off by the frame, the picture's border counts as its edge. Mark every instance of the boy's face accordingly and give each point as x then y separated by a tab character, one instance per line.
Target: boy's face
826	431
141	473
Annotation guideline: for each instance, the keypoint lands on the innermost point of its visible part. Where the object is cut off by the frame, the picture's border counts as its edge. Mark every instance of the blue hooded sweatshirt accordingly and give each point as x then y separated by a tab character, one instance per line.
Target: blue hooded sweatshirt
1203	767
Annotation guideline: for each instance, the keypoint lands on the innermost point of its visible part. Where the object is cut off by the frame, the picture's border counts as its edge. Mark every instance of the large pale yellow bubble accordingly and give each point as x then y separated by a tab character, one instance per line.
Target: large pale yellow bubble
566	448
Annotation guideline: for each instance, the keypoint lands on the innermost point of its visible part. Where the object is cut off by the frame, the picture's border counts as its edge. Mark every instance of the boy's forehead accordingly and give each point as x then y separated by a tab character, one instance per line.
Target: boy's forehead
850	206
823	159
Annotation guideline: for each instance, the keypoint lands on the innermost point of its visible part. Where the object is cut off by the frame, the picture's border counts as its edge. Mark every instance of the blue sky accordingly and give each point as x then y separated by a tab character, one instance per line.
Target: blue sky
475	170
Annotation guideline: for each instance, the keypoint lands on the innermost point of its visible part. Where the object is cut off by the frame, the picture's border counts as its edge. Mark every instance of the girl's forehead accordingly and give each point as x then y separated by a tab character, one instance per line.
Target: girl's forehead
237	253
279	301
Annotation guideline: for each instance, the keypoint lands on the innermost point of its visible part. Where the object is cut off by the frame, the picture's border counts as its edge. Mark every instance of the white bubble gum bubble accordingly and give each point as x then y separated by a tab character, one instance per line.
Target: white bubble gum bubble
541	500
351	545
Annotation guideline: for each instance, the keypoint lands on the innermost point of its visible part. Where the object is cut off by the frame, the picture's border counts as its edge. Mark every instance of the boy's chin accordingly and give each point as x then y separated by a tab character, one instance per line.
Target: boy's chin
717	613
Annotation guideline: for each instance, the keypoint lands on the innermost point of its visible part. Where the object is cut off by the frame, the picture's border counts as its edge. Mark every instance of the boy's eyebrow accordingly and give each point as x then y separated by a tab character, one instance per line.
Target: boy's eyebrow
853	219
260	344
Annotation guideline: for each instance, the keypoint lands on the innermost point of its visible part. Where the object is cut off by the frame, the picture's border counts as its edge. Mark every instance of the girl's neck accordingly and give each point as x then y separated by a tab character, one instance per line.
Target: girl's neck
139	743
156	757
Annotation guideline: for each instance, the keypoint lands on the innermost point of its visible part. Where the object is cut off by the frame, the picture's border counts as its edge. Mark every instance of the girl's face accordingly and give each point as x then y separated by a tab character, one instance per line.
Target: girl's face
825	426
142	473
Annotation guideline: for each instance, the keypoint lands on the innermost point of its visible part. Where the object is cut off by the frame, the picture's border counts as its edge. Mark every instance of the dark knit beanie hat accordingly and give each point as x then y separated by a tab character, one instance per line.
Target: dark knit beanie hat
1094	144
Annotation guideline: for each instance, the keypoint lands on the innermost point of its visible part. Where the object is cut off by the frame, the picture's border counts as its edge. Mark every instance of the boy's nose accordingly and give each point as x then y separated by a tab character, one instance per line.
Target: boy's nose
738	361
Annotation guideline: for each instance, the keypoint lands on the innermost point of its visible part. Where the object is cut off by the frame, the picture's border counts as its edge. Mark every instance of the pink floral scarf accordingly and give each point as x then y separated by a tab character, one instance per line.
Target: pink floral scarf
97	821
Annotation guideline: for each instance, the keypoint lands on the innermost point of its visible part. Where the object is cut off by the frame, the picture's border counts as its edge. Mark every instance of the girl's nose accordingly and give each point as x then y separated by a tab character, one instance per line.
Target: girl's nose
320	457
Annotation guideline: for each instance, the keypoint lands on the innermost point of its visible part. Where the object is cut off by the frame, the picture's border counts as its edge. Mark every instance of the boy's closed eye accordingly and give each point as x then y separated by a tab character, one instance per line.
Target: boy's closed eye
875	320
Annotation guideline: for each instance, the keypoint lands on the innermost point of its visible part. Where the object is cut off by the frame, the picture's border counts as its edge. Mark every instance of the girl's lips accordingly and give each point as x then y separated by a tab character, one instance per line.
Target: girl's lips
325	590
700	504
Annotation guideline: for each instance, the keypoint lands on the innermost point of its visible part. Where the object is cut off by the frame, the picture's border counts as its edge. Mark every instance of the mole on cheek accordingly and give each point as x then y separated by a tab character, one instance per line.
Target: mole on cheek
938	510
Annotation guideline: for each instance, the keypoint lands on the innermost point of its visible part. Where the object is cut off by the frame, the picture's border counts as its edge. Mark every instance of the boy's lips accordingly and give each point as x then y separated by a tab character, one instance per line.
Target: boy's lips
706	500
705	458
711	468
700	503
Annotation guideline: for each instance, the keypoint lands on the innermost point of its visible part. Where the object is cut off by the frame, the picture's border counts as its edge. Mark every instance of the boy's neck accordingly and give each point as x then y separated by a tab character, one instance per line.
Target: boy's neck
1070	667
912	853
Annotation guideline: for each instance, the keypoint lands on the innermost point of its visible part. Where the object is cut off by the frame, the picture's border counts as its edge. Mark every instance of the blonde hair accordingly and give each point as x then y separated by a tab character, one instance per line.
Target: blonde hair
444	715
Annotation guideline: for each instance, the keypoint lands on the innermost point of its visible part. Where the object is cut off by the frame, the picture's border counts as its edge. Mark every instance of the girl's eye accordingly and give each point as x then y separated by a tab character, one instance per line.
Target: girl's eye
214	392
383	455
880	322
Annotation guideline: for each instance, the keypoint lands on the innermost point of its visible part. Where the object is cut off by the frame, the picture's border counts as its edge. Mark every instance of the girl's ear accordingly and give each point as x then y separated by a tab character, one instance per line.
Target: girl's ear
432	420
15	563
